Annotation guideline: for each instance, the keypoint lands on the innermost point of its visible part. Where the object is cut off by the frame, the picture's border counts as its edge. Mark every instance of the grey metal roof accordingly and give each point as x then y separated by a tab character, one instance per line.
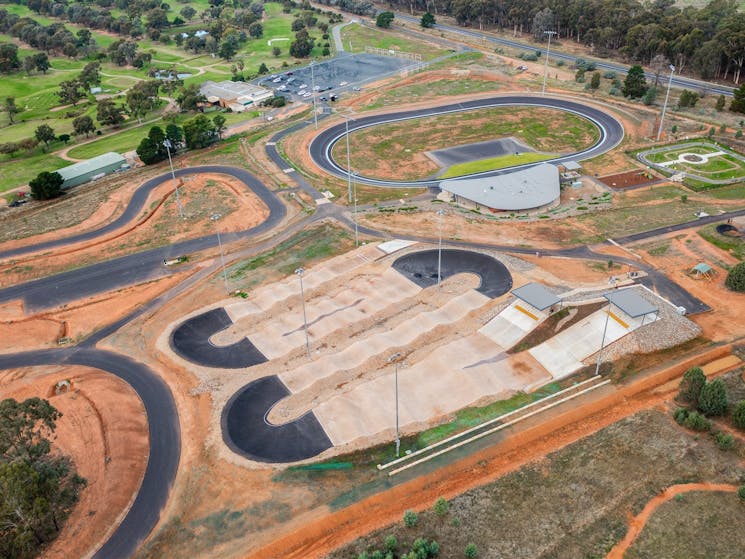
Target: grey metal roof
571	165
231	90
630	302
91	165
536	295
529	188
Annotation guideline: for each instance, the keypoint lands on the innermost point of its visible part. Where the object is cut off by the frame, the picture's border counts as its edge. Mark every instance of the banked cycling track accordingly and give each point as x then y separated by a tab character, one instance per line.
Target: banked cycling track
610	129
165	441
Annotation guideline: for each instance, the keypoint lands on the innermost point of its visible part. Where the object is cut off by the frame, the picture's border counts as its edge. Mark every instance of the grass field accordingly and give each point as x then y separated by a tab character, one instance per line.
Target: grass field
439	88
716	168
356	37
492	163
396	144
734	245
16	172
576	502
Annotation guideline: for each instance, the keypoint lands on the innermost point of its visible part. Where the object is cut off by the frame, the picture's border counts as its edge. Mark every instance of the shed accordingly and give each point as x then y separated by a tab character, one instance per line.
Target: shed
702	270
571	165
631	304
536	295
90	169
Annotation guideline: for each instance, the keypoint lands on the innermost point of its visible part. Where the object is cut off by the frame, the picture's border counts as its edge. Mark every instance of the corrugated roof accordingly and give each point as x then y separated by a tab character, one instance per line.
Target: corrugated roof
630	302
89	165
530	188
232	90
572	166
536	295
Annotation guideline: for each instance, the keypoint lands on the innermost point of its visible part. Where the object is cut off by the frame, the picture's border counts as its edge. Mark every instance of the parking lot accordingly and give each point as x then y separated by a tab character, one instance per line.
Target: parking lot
334	76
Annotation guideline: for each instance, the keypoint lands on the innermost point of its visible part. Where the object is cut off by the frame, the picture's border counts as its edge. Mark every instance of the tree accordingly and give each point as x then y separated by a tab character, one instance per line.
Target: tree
83	125
90	75
738	415
427	21
142	98
410	518
46	185
219	122
108	113
693	381
384	19
302	46
37	489
187	12
175	135
441	506
64	138
9	61
70	92
11	108
713	398
650	96
229	47
41	60
276	51
738	100
44	133
736	278
263	69
29	64
635	85
720	103
256	30
595	81
152	148
190	98
199	132
687	99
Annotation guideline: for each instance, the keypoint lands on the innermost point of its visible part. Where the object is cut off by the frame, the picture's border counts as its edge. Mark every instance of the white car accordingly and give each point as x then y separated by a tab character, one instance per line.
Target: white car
277	80
342	84
302	86
316	88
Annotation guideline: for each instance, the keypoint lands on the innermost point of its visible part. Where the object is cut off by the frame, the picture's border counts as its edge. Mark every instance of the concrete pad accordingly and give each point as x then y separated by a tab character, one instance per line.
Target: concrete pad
511	325
452	377
389	247
563	354
382	343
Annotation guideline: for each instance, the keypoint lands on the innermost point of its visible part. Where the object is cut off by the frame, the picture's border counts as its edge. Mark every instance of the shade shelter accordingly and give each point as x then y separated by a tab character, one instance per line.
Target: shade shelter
537	296
702	270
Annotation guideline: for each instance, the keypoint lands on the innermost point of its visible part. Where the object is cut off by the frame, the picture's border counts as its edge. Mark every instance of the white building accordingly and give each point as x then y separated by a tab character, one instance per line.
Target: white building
236	96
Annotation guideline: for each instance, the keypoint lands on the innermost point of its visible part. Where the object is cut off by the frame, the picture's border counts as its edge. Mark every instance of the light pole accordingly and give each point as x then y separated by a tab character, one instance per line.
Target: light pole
602	343
545	62
168	145
299	273
215	217
354	214
664	106
393	359
313	85
440	213
349	160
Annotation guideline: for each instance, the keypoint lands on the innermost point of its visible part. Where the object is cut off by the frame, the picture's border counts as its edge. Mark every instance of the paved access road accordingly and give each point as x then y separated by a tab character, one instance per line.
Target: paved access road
58	289
611	133
678	81
165	437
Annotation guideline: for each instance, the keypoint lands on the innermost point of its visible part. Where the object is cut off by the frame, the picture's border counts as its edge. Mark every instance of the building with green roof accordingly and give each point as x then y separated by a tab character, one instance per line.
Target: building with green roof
92	169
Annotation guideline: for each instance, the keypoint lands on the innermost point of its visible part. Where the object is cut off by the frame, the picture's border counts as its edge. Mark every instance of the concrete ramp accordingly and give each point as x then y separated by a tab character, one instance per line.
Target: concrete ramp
512	324
563	354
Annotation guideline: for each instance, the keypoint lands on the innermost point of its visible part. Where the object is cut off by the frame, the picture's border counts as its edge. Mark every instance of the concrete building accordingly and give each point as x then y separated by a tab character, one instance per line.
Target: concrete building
533	188
92	169
236	96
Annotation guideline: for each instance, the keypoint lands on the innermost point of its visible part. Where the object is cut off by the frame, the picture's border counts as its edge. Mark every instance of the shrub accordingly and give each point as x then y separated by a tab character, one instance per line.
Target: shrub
684	198
441	506
697	422
616	92
471	551
610	75
410	518
390	543
736	278
725	441
741	492
680	415
690	387
713	398
738	415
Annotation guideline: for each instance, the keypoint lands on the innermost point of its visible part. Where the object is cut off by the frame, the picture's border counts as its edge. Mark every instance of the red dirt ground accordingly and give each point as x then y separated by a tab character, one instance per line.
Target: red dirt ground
628	179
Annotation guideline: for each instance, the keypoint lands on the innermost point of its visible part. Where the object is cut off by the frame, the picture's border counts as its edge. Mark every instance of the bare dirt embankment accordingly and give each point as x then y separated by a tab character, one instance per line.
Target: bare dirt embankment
104	430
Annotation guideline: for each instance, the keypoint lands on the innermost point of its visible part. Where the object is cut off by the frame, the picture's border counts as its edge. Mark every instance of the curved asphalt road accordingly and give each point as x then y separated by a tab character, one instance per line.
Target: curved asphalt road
611	133
135	268
165	437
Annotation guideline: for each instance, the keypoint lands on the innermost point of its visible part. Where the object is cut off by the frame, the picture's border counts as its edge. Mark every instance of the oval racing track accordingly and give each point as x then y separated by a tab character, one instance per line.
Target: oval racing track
611	134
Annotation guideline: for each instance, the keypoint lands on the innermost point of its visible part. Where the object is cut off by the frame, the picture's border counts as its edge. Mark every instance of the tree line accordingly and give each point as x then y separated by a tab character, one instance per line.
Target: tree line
707	41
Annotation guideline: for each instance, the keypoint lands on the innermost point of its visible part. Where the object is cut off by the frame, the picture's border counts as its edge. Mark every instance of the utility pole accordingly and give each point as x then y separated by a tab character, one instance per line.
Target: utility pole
313	85
393	359
602	343
299	273
664	106
349	161
354	214
168	145
215	217
440	213
545	62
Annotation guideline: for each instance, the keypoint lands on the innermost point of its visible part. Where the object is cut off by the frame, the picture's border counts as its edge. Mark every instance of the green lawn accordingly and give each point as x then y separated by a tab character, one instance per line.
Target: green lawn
492	163
17	172
356	37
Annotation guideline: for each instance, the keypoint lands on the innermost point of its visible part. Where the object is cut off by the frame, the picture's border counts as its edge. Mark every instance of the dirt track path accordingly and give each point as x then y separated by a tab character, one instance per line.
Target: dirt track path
637	523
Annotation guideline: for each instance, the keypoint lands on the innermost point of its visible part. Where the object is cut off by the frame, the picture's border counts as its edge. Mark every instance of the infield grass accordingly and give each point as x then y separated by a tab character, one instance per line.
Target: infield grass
493	163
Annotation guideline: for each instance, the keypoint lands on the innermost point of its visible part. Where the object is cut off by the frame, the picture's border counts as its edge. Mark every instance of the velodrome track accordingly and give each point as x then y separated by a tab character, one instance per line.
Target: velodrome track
611	134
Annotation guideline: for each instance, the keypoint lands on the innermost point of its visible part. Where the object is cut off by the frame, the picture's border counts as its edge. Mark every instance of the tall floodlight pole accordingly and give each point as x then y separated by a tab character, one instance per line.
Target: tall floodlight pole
168	145
313	85
440	213
393	359
215	217
602	343
664	106
299	273
349	161
354	214
545	62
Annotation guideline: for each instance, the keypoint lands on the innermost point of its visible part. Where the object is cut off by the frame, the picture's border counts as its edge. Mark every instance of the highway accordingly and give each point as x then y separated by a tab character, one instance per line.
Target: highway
611	134
678	81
